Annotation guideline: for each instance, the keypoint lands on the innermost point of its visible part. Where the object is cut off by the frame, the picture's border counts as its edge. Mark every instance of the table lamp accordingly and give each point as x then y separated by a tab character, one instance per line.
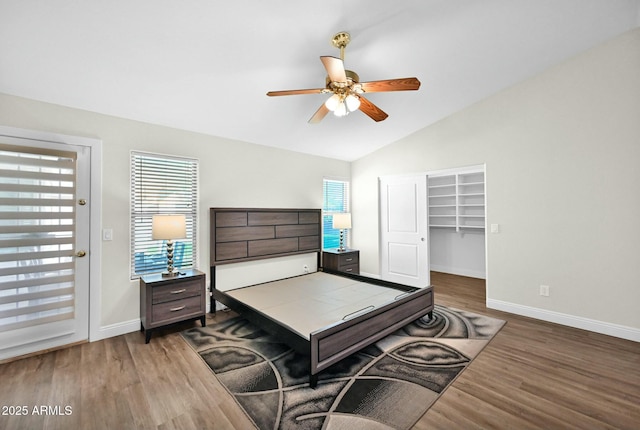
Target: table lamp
169	227
342	221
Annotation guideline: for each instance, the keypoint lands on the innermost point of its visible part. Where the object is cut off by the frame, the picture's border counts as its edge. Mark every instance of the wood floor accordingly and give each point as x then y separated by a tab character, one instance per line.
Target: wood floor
533	375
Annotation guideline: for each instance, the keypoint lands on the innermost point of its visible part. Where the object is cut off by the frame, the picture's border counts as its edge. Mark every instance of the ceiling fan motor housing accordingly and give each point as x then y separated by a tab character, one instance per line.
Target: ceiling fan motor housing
352	78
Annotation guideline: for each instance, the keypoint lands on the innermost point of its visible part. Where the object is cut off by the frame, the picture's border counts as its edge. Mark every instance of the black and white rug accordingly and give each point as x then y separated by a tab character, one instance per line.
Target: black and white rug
388	385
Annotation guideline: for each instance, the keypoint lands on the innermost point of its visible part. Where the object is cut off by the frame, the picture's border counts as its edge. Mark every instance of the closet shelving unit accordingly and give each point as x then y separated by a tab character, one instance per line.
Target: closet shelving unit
456	201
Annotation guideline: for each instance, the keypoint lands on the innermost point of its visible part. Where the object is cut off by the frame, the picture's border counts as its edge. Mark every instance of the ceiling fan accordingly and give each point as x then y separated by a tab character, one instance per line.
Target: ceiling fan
346	88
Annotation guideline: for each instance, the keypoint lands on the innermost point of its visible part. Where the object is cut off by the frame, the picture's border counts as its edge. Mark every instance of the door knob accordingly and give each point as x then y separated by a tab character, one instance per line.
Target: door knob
81	254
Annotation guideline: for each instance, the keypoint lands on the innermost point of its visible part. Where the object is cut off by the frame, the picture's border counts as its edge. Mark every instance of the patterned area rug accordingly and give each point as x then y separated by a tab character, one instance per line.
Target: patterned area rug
388	385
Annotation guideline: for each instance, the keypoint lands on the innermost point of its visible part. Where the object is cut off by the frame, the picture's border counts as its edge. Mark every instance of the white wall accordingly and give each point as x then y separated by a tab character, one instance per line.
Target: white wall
232	173
460	253
562	154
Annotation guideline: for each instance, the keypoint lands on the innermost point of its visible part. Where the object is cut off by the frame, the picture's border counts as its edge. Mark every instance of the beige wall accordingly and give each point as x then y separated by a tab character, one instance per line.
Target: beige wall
562	154
232	173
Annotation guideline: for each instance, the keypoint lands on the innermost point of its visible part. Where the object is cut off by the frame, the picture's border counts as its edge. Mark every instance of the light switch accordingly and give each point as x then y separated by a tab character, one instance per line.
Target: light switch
495	228
107	234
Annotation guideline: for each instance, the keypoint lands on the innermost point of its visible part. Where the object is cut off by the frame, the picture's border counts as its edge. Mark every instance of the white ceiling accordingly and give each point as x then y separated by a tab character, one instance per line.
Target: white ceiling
205	66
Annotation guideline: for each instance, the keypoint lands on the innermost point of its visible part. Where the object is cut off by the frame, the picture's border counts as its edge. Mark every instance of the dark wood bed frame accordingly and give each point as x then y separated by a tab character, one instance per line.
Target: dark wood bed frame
240	234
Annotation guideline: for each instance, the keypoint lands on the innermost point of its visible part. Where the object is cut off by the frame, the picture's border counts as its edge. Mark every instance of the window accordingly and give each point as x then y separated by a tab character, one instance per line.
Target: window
162	185
336	200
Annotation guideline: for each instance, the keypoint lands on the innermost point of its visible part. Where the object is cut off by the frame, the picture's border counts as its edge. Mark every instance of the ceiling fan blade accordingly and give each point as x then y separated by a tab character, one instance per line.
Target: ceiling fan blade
296	92
371	110
335	69
319	115
401	84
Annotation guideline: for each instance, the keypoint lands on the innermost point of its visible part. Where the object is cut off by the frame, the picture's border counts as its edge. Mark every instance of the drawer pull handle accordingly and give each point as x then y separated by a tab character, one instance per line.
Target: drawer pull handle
179	291
349	270
349	259
179	308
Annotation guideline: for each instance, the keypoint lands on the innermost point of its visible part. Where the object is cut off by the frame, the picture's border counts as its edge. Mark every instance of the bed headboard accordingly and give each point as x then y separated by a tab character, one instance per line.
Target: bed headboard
240	234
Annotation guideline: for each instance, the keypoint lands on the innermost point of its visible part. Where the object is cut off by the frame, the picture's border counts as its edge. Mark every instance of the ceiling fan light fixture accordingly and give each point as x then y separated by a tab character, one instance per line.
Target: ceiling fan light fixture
341	110
352	102
333	102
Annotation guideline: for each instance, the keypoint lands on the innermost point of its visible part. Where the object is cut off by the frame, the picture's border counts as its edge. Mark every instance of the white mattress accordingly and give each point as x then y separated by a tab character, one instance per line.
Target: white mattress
311	302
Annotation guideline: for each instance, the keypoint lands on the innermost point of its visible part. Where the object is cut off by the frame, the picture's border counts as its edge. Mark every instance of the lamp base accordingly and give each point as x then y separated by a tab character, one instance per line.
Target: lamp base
167	274
341	248
171	271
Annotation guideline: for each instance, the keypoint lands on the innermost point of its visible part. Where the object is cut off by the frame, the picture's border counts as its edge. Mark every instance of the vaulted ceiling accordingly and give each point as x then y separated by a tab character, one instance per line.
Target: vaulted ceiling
205	66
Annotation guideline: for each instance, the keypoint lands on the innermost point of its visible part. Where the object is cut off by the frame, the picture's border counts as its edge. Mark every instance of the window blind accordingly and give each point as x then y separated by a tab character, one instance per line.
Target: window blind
162	185
37	236
335	200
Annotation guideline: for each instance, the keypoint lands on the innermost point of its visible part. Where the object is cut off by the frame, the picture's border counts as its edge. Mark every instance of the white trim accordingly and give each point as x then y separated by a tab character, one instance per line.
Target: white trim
95	243
457	170
616	330
116	329
458	271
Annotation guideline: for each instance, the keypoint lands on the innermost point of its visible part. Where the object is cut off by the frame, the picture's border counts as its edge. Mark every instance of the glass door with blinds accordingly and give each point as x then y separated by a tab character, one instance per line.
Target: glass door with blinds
44	233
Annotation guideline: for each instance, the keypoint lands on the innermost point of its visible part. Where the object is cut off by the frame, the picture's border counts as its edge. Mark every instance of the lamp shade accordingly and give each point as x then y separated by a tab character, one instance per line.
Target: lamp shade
167	227
342	220
332	102
352	102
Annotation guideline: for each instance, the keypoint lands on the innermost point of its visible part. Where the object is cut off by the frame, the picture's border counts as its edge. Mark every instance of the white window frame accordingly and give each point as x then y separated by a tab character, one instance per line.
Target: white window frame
141	209
329	213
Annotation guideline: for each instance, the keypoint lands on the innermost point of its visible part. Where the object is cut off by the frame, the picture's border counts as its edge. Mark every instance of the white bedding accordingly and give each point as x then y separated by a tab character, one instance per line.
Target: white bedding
311	302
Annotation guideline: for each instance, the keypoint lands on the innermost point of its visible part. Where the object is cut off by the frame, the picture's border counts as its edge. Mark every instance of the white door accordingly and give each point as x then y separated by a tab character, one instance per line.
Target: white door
44	245
404	250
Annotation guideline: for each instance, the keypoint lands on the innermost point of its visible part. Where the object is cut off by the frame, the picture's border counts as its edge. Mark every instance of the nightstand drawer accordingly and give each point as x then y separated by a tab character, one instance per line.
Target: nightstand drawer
348	259
176	291
350	268
177	309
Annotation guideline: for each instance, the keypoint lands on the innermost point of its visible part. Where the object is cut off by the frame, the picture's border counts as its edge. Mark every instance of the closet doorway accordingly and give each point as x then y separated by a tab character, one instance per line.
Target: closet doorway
438	227
457	220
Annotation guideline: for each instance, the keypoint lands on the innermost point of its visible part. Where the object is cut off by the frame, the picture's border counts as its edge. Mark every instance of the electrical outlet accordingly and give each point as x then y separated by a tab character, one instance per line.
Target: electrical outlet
305	268
544	290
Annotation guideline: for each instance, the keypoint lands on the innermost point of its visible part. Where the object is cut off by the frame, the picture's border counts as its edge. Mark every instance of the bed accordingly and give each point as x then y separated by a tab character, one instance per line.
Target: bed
324	314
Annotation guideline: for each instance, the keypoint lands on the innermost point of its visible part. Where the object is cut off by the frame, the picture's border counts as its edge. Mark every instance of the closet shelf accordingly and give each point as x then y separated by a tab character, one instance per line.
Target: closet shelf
467	195
441	186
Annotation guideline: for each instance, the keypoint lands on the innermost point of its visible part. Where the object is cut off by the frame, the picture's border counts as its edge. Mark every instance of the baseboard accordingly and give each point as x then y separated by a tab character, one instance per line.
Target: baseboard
596	326
458	271
370	275
117	329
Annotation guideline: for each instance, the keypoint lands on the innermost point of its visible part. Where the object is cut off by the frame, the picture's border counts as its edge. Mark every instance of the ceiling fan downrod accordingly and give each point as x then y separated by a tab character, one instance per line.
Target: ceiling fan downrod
340	41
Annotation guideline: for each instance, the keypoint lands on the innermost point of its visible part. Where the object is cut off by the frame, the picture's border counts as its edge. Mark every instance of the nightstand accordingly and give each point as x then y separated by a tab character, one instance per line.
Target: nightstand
167	300
346	261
